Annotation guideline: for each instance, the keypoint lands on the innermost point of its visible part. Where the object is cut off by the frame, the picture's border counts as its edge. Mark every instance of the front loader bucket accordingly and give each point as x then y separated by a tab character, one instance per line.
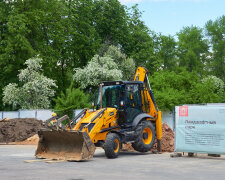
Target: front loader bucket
64	145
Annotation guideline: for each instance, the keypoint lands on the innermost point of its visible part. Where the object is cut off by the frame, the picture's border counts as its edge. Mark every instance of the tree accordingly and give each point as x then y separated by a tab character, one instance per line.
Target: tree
36	89
207	91
72	99
84	40
125	64
217	83
139	42
110	21
5	10
97	70
165	52
31	27
216	32
179	87
192	49
112	66
66	34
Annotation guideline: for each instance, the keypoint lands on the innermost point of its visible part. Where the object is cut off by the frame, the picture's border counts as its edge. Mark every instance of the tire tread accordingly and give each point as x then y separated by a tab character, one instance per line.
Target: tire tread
108	146
138	144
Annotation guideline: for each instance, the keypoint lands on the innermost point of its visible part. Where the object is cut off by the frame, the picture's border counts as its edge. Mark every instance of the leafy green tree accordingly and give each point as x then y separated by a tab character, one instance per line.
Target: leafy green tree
217	83
36	89
170	88
216	32
5	10
72	99
110	21
165	52
182	87
84	39
28	29
139	43
192	49
67	34
125	64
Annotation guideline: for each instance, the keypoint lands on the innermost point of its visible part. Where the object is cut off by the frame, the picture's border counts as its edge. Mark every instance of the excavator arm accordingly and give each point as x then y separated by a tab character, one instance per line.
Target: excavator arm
142	75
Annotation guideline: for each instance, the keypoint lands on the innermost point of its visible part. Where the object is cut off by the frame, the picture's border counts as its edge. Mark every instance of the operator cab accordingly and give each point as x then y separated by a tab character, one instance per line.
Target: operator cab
128	97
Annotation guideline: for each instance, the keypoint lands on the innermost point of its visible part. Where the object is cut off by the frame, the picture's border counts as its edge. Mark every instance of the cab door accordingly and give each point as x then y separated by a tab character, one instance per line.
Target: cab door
133	100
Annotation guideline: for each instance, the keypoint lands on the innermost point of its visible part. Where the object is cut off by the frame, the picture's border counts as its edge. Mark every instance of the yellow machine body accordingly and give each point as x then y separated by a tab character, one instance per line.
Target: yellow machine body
78	142
99	123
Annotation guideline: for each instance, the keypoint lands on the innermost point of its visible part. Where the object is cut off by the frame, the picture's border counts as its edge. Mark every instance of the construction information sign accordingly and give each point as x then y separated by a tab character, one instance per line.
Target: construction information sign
200	129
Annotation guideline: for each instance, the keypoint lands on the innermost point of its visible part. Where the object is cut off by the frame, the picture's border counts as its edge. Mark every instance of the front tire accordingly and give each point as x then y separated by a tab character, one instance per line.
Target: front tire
112	145
144	136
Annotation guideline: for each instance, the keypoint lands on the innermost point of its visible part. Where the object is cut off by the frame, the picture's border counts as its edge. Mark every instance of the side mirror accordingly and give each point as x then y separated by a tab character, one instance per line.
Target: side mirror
121	103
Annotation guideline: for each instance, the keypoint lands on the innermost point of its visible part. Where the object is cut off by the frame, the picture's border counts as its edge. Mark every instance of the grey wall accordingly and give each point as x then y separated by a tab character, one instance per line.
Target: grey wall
44	114
41	114
27	113
38	114
168	117
10	114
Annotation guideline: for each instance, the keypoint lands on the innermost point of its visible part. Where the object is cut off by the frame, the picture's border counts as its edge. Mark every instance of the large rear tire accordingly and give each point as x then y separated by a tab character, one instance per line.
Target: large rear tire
112	145
144	136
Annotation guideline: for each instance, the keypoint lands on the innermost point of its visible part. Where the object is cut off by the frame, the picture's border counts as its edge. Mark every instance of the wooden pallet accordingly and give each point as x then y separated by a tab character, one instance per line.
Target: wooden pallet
44	160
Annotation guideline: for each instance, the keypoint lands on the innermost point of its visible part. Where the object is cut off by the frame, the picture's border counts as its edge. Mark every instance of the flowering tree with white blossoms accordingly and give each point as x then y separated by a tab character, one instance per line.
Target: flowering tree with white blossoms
97	70
125	64
217	82
112	66
36	89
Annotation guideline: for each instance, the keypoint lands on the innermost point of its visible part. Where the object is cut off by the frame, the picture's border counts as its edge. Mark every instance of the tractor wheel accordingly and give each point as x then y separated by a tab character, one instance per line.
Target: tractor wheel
144	136
112	145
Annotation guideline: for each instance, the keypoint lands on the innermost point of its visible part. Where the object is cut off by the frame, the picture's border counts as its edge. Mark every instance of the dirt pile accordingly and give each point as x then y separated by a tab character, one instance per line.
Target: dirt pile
33	140
127	147
15	130
167	141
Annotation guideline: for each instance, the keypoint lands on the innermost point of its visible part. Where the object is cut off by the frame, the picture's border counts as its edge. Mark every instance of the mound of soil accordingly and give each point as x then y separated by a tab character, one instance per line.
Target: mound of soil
127	147
33	140
167	142
14	130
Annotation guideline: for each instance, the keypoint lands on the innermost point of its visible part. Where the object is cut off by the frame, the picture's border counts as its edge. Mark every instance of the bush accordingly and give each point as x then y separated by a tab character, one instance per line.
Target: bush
176	88
72	99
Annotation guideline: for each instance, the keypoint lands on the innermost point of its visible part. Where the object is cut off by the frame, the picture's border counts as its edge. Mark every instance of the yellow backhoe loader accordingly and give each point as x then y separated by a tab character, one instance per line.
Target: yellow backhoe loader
126	112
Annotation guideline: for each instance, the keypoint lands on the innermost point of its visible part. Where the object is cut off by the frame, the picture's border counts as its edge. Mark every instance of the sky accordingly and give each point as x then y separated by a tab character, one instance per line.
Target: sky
170	16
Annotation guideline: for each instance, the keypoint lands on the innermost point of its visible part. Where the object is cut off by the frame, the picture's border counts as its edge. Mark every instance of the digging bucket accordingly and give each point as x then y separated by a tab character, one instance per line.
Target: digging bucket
64	145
